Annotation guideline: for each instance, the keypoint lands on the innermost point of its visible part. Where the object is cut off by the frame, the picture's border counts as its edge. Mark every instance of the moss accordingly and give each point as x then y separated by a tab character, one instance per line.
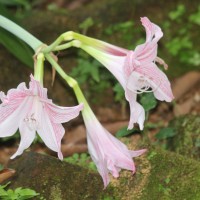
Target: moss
55	193
187	138
172	177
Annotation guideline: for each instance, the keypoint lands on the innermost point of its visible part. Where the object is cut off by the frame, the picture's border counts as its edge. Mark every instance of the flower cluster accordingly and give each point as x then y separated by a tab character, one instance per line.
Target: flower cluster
30	110
137	72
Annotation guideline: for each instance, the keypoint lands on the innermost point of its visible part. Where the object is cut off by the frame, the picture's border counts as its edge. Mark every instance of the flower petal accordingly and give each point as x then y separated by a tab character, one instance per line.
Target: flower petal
36	88
157	80
137	153
108	153
113	63
27	137
146	53
153	32
59	114
100	45
59	132
10	116
137	114
51	133
97	157
19	93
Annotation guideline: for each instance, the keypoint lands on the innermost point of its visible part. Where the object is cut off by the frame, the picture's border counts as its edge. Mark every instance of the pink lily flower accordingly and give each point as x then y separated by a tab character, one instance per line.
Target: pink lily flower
108	153
135	70
30	110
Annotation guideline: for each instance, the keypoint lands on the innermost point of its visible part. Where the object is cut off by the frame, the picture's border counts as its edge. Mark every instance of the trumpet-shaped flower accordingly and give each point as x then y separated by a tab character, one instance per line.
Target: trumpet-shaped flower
136	70
108	153
30	110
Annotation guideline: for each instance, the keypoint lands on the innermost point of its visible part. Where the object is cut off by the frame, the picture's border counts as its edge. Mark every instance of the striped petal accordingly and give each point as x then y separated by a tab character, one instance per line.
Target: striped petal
10	116
137	114
113	63
50	133
108	153
157	80
59	114
27	137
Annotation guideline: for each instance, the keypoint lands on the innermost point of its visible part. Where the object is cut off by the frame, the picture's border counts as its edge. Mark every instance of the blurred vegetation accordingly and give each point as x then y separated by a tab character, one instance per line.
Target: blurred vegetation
82	160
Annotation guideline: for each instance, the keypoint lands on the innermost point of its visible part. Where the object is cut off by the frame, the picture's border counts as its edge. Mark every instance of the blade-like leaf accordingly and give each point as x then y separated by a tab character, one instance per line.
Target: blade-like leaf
17	47
165	133
148	101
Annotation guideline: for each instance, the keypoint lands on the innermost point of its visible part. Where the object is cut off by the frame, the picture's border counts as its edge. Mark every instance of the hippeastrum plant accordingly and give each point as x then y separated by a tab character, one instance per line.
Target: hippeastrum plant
136	70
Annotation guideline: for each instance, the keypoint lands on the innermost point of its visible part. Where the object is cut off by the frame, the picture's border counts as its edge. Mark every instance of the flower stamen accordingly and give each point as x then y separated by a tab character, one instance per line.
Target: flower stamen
31	122
144	85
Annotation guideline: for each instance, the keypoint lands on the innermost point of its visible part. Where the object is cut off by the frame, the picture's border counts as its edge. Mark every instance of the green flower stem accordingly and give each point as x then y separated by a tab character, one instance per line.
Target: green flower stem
39	68
77	40
63	37
15	29
71	82
74	43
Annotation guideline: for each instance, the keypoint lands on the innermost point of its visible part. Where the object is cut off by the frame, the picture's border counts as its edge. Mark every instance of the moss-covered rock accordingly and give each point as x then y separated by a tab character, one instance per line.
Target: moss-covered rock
160	175
187	138
55	180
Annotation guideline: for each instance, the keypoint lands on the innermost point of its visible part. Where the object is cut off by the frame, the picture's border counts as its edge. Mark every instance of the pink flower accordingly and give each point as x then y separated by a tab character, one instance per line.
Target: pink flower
30	110
107	152
135	70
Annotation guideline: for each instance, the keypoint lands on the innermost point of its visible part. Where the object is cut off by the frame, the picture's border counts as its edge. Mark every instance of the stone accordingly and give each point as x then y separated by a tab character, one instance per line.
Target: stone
160	175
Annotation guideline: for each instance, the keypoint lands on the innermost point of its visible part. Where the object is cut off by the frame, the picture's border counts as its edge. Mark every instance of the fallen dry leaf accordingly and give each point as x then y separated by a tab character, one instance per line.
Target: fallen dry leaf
6	173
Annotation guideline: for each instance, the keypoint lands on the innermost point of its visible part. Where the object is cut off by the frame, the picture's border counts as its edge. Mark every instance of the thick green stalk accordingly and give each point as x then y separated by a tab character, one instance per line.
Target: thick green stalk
39	68
18	31
76	38
62	73
71	82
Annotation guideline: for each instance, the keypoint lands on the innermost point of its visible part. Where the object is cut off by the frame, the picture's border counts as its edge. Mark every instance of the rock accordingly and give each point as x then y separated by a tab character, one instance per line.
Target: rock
187	139
53	179
160	175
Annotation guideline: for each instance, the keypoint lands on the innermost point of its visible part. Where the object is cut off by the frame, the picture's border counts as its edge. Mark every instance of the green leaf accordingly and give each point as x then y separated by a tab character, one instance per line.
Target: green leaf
124	132
176	14
17	194
165	133
151	155
75	156
84	156
17	47
119	92
3	192
87	23
12	195
195	18
148	101
27	194
5	185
